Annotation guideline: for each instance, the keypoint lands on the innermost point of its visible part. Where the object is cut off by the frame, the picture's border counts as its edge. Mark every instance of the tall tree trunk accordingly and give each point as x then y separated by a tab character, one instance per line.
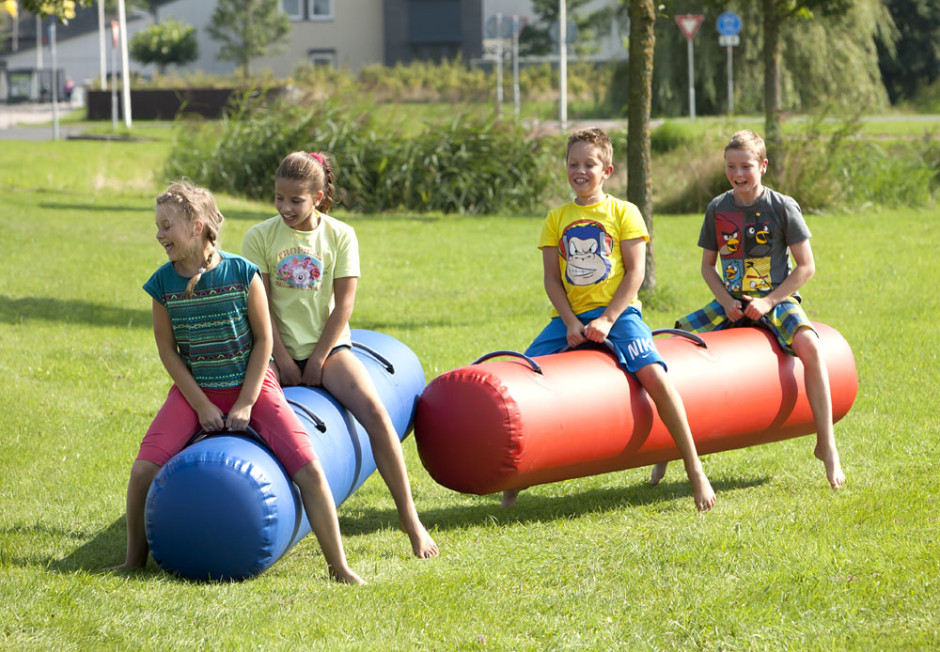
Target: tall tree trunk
639	179
773	134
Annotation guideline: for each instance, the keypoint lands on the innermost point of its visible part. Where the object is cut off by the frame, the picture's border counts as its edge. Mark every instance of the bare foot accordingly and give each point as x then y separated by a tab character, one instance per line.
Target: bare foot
830	457
509	497
124	568
658	473
703	493
346	576
421	542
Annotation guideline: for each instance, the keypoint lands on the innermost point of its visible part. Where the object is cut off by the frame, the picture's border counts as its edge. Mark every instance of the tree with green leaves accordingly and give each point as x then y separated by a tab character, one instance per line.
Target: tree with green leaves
912	63
169	42
247	29
864	19
797	58
64	10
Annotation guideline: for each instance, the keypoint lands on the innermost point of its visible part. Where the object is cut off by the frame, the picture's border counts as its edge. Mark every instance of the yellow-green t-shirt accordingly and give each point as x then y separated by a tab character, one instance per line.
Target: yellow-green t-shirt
301	267
588	239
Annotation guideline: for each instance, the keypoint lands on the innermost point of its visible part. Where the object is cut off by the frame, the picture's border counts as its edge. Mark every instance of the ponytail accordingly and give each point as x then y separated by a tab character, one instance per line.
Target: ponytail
315	170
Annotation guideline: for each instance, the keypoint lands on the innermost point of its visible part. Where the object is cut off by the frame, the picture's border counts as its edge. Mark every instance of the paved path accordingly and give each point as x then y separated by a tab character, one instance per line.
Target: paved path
27	121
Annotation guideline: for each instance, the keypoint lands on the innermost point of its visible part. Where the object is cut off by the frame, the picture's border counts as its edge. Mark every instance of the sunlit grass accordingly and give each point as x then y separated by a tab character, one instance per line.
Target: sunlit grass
604	562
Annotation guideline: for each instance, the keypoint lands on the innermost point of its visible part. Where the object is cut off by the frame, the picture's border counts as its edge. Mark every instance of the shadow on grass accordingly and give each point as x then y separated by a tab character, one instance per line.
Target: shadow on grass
536	507
14	311
230	214
95	553
376	325
249	215
98	208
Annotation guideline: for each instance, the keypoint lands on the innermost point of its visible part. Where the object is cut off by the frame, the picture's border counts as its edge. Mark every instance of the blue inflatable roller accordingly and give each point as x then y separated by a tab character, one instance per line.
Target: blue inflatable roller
224	507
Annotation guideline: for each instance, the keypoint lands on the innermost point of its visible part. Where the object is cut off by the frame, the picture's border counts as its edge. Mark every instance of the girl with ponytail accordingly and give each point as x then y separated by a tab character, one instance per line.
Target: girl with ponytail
309	263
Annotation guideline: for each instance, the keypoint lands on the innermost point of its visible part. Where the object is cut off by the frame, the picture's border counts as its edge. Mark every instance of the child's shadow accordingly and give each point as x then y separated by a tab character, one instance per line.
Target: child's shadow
536	507
99	551
96	552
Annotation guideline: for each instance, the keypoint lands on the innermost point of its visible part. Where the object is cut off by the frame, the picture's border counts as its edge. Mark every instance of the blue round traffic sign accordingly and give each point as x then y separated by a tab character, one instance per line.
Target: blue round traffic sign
729	24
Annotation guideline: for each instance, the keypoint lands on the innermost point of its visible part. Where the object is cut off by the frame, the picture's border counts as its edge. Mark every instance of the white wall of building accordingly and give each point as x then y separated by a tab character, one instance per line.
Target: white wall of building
610	45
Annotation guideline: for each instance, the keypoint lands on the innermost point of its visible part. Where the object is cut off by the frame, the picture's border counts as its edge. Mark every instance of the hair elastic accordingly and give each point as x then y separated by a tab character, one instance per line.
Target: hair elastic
319	157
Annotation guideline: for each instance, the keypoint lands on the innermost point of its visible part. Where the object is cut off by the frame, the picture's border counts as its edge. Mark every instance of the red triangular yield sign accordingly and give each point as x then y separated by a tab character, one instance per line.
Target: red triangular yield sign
689	24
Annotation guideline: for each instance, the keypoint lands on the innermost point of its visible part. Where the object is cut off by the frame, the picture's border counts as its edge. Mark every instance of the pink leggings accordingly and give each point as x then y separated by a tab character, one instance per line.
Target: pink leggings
271	417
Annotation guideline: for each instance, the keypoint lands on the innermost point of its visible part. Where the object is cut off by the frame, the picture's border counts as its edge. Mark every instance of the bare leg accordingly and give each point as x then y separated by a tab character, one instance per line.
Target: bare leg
318	503
142	474
816	375
509	497
658	473
672	412
349	382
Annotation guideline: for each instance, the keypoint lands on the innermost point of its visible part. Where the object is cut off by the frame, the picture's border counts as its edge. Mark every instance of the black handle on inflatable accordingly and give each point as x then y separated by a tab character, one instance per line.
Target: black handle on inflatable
248	432
317	421
496	354
389	367
681	333
593	345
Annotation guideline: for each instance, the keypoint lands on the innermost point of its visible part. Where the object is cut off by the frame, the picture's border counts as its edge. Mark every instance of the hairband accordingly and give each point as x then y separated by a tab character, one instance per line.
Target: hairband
319	157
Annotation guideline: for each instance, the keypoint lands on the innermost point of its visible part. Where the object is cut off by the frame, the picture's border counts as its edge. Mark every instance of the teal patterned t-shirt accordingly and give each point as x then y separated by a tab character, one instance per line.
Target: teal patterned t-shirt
211	328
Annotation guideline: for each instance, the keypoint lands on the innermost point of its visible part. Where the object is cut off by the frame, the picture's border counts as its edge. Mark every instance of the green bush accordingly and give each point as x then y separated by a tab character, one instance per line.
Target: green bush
465	165
669	136
840	170
825	166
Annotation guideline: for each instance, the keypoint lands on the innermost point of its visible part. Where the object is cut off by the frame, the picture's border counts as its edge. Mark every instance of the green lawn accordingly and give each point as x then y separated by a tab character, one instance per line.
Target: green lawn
782	562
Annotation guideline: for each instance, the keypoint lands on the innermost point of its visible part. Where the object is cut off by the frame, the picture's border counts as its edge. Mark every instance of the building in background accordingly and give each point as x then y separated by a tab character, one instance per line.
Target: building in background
345	34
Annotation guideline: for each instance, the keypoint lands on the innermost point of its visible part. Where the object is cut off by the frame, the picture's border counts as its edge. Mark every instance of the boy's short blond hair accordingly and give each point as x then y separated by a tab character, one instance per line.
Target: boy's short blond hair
597	137
748	141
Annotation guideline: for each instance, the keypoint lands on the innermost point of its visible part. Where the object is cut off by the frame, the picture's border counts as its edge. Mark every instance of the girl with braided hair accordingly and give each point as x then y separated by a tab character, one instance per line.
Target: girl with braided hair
213	334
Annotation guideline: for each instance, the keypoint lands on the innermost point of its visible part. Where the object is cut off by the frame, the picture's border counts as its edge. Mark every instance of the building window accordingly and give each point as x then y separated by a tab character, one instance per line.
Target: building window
322	58
294	9
320	9
434	22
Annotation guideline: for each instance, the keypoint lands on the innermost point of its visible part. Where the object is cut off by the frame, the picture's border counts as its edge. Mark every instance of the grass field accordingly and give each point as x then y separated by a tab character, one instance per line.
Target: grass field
606	562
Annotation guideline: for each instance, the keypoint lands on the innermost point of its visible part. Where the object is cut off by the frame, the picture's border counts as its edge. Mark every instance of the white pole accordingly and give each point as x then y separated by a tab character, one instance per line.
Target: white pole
102	57
114	81
125	65
691	82
515	65
730	83
55	82
38	43
563	66
499	65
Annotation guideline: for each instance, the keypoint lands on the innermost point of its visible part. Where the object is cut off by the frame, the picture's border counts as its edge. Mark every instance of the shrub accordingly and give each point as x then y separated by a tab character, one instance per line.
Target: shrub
465	165
826	166
169	42
840	170
668	137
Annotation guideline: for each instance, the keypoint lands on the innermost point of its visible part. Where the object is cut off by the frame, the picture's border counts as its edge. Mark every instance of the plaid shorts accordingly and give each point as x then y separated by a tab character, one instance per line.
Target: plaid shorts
784	320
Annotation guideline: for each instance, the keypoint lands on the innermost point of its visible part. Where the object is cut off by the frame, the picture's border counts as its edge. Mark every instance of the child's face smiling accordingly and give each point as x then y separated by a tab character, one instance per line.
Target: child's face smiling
744	172
587	172
175	234
296	204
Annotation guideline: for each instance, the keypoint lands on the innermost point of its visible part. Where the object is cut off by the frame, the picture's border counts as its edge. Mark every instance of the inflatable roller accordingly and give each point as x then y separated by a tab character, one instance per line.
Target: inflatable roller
514	423
224	508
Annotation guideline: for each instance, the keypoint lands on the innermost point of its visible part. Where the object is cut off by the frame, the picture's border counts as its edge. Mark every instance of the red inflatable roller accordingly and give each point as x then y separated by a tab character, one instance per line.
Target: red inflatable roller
518	422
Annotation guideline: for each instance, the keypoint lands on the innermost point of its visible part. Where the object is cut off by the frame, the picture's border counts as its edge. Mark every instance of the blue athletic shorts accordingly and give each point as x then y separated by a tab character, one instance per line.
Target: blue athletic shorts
630	337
